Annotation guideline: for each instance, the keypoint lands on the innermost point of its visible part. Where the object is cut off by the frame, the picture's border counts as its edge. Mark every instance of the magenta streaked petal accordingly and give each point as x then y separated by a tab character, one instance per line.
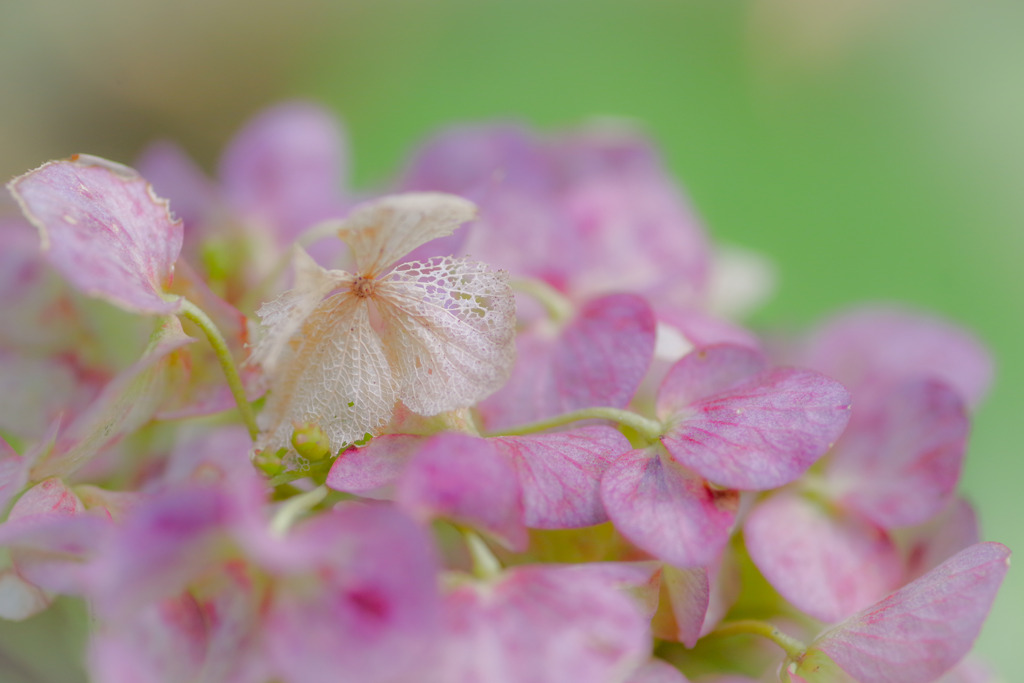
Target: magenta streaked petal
922	630
684	606
364	608
755	435
545	625
666	510
598	359
464	479
371	470
287	167
560	474
657	671
879	345
104	230
825	563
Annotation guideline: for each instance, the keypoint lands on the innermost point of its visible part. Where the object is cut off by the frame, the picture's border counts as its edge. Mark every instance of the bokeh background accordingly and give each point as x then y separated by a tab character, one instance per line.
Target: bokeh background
874	149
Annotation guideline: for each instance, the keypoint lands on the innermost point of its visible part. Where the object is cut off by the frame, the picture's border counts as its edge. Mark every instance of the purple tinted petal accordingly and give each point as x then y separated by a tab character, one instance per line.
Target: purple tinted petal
104	230
463	478
666	510
287	166
364	608
599	359
543	625
371	470
919	632
886	344
657	671
900	458
561	473
756	435
684	607
174	175
13	474
827	564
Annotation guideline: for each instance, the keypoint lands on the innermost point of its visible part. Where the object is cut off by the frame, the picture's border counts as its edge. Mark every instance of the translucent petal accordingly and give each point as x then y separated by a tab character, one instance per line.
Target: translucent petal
448	327
332	373
381	232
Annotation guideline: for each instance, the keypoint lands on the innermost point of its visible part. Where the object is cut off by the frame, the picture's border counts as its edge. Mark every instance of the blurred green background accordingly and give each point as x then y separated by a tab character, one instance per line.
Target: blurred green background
874	149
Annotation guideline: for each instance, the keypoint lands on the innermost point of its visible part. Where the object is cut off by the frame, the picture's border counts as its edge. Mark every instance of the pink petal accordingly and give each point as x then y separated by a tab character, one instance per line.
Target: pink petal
826	564
900	458
657	671
666	510
13	474
544	625
560	474
287	167
463	478
640	580
756	434
364	607
886	344
599	359
371	470
922	630
20	599
682	614
175	175
125	404
104	230
943	536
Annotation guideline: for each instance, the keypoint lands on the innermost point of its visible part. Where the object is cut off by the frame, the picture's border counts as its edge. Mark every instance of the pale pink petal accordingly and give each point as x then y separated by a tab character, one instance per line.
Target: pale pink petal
371	470
666	510
685	604
970	670
560	474
922	630
657	671
13	474
544	625
126	403
758	434
448	332
824	563
381	232
900	458
287	167
34	391
640	580
332	374
599	359
364	607
464	479
104	230
874	345
937	540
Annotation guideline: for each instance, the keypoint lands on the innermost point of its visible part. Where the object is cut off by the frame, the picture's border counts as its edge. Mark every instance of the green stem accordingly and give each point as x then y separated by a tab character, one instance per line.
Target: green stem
220	347
293	508
793	648
554	302
315	469
646	427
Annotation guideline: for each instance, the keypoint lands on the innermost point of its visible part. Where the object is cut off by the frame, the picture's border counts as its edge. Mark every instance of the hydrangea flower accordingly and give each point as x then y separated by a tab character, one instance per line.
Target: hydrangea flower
646	480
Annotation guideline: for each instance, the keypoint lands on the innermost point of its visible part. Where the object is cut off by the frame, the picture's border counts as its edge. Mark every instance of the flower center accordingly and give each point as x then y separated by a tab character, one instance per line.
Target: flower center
363	286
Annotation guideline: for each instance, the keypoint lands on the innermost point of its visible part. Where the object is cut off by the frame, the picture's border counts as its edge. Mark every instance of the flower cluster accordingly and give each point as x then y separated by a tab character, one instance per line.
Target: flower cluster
497	423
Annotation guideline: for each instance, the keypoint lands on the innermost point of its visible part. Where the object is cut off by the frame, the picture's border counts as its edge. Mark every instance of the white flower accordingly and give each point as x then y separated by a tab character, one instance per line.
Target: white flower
340	348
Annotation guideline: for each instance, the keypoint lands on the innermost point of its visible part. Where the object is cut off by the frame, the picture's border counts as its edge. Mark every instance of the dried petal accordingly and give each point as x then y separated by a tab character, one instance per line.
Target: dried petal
104	230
